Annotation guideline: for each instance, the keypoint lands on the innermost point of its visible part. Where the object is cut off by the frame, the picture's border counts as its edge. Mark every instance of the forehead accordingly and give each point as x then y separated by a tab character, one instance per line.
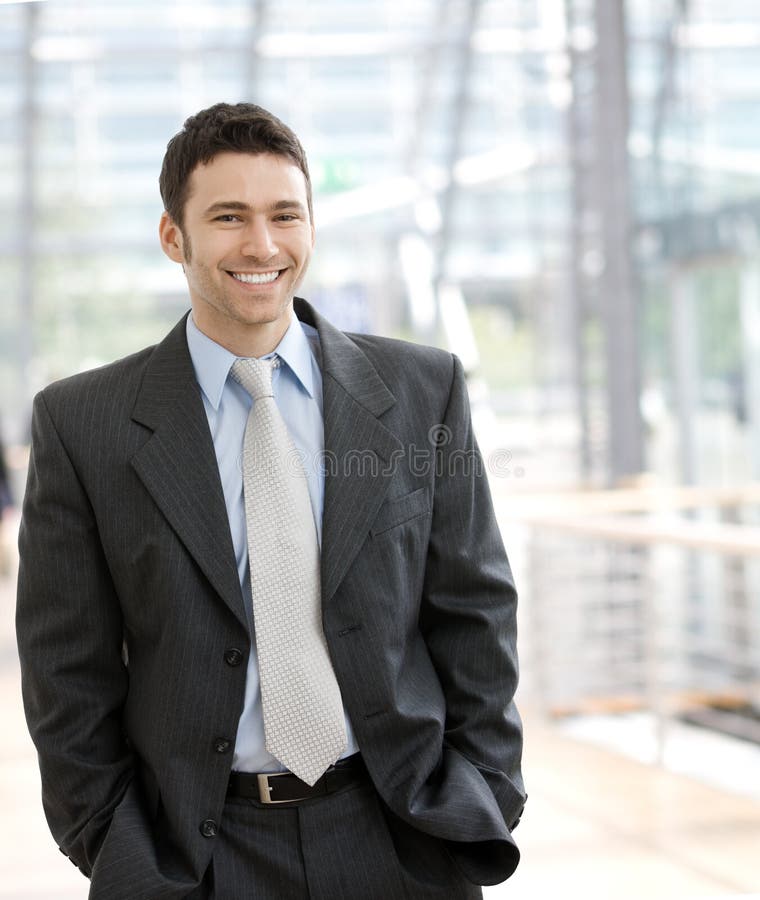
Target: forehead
254	178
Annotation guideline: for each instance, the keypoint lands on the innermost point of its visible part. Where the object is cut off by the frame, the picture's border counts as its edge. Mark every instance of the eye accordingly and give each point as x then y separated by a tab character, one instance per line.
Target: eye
287	217
227	217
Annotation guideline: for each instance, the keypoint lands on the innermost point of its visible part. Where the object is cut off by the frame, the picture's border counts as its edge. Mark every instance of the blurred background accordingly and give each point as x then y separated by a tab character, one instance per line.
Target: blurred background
565	193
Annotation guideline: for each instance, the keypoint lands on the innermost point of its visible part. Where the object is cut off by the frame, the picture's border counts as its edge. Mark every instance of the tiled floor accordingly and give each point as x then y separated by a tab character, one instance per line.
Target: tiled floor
599	825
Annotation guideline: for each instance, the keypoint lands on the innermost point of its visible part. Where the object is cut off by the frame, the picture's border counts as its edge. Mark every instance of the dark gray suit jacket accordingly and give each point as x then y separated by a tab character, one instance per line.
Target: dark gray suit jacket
132	630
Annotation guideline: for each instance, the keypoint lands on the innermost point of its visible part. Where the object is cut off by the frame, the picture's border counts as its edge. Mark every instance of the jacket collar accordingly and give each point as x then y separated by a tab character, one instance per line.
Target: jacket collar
178	464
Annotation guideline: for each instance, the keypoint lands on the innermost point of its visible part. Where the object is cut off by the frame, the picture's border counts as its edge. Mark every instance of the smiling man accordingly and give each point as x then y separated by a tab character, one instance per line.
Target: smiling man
244	237
253	669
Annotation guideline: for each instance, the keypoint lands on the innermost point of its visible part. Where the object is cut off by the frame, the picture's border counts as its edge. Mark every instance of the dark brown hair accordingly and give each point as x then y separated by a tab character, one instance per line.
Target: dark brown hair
224	128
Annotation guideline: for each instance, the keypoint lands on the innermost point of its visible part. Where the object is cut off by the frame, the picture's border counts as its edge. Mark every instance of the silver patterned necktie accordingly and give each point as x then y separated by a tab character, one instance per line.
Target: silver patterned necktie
304	727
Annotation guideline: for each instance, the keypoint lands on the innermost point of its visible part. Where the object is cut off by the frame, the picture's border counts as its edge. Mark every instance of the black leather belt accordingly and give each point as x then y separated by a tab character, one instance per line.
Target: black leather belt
285	787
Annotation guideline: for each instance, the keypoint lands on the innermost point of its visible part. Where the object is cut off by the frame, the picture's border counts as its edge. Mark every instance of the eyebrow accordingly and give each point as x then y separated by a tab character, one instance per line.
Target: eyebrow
239	206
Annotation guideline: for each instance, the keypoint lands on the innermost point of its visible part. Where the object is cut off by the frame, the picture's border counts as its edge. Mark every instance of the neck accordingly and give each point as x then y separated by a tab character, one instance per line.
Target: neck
247	341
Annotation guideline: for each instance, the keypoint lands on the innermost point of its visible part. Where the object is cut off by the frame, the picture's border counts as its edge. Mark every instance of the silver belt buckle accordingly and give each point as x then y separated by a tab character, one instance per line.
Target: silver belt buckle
265	788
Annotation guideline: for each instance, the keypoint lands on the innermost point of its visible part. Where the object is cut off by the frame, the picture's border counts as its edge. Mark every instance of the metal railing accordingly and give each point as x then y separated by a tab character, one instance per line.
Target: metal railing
644	600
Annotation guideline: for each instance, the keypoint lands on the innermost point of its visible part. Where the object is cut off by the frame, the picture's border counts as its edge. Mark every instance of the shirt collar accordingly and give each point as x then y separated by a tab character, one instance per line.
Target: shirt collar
212	362
295	350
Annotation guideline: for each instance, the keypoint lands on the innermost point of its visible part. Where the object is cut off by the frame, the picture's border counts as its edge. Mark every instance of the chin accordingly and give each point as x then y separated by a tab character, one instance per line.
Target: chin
263	318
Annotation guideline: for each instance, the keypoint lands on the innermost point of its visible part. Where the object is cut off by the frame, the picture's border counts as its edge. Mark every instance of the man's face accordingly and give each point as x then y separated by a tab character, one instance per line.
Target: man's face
245	246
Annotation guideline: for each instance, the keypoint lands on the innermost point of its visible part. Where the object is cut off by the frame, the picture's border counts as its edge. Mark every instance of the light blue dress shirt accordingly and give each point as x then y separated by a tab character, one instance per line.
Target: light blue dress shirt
297	388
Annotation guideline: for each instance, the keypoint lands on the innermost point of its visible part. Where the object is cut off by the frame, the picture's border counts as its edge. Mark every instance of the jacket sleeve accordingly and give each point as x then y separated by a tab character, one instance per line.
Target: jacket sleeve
70	636
469	621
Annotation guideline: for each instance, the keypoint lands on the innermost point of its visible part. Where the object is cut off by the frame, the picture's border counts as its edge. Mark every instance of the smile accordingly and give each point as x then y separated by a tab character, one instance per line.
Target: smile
256	278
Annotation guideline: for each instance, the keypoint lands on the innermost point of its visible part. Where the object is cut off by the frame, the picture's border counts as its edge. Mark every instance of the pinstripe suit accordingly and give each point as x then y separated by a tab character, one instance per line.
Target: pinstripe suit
133	636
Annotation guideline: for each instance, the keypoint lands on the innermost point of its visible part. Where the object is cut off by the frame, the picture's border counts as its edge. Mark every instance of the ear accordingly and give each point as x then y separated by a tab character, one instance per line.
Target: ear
313	236
170	236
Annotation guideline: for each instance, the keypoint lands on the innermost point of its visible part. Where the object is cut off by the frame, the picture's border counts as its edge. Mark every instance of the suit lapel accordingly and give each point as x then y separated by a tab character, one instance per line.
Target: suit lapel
359	449
178	466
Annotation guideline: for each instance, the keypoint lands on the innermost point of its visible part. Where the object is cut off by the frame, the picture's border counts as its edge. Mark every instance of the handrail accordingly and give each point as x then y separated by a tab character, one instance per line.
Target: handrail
721	537
562	501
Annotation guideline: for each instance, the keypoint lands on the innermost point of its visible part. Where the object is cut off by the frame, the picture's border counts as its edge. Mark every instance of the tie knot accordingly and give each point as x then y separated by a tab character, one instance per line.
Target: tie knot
255	375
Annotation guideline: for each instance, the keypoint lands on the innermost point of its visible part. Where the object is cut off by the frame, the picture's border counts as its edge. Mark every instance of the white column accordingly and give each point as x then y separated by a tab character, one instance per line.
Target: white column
750	323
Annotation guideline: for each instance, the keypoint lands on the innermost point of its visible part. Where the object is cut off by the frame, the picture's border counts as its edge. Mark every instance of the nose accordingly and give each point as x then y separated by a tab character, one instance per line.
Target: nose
258	242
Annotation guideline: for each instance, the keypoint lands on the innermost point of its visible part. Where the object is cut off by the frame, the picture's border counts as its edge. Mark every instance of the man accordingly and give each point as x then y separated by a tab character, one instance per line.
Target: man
263	547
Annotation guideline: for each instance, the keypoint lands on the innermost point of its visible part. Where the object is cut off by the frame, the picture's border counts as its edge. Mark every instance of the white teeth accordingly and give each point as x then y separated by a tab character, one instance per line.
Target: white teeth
265	278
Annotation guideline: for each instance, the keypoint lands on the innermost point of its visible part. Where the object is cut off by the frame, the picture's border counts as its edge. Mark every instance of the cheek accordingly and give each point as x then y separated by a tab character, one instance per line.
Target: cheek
302	253
210	250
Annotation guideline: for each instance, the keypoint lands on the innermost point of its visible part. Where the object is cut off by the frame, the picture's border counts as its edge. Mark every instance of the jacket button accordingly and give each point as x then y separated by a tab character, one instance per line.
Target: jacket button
208	828
222	745
233	657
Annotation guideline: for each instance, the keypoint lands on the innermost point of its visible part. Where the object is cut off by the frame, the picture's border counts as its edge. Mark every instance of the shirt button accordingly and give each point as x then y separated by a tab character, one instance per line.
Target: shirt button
208	828
222	745
233	657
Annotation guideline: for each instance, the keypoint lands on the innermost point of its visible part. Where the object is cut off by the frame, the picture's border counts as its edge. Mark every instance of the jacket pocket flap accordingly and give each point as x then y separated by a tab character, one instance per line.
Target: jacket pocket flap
398	510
